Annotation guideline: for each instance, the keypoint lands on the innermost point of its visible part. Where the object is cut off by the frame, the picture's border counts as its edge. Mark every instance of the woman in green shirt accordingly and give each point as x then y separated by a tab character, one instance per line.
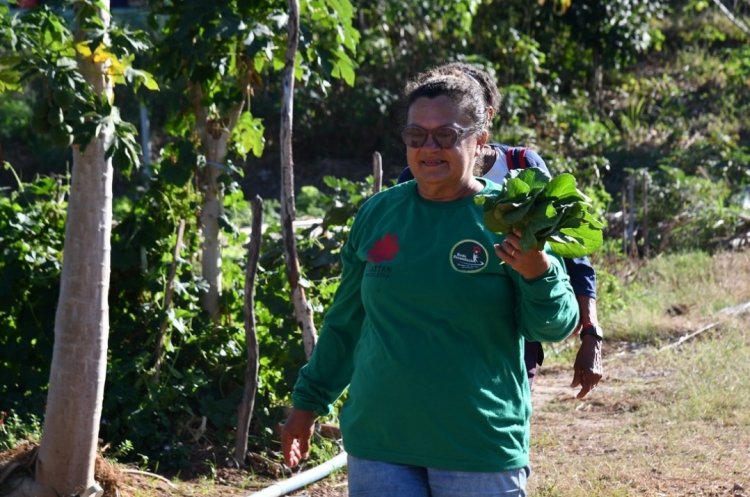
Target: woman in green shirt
428	325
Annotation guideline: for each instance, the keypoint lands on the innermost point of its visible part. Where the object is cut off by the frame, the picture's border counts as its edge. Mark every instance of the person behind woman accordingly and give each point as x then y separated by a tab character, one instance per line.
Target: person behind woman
493	165
428	324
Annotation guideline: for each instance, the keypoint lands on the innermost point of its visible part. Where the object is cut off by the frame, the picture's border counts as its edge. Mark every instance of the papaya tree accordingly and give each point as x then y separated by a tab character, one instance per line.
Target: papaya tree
214	57
77	72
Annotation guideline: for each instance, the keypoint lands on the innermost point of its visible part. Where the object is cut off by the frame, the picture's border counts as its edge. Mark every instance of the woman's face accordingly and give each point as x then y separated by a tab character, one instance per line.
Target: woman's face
431	165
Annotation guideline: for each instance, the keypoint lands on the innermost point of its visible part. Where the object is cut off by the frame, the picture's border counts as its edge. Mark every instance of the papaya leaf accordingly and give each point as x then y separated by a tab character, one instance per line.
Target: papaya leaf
247	135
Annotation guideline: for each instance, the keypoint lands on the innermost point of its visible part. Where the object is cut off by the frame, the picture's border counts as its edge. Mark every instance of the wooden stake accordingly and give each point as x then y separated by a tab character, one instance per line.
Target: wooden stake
245	411
302	309
168	295
377	172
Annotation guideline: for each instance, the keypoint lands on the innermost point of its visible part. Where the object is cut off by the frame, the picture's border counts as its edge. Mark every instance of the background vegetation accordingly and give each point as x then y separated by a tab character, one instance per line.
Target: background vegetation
644	101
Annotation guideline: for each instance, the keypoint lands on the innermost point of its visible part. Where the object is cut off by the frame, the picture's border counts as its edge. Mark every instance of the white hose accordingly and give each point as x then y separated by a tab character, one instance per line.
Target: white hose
302	479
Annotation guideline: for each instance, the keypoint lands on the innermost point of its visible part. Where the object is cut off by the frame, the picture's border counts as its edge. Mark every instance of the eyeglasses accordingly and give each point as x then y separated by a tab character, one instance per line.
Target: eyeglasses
444	136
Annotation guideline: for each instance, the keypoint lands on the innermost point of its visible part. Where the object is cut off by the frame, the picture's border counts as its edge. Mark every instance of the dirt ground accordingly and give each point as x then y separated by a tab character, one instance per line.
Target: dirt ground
590	441
600	446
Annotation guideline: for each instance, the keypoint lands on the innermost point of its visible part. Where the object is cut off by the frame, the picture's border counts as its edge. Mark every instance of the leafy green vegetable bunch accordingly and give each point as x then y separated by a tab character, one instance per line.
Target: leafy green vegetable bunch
544	210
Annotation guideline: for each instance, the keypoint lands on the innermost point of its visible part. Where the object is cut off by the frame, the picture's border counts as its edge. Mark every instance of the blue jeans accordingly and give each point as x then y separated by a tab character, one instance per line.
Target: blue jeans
382	479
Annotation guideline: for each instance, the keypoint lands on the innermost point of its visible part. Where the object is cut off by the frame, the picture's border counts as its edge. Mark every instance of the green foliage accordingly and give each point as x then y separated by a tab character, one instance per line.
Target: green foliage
328	34
14	430
31	240
616	30
38	47
689	212
581	130
217	57
14	117
438	26
544	211
396	40
199	362
149	418
508	36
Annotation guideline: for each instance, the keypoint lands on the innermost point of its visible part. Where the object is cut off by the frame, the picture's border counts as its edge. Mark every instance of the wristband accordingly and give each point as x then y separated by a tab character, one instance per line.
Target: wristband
592	330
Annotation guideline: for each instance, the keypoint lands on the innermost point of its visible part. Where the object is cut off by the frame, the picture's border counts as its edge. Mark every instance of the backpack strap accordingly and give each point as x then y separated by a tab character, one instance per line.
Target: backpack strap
515	158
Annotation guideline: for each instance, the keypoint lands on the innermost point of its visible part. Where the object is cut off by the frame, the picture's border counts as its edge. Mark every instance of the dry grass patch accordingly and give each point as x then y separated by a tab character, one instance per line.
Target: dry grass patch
654	301
675	423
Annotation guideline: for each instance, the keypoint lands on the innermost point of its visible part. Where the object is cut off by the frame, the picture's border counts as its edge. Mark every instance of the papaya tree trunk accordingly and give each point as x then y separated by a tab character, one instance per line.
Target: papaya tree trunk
68	447
302	309
214	133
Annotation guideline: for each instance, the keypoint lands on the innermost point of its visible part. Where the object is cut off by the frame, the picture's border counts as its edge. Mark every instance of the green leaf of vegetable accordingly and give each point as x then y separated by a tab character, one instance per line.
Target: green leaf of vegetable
544	210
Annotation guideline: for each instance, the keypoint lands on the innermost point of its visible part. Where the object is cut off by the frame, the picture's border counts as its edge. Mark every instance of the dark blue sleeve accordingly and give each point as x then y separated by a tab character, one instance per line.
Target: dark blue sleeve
405	175
531	158
534	160
582	276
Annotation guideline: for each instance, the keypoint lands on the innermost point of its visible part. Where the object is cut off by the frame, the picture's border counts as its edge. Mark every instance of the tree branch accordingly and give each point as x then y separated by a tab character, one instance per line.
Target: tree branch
245	411
168	295
302	309
735	20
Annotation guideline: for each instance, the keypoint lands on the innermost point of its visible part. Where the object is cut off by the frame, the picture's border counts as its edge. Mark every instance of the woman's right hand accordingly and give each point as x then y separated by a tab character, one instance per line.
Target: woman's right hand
296	434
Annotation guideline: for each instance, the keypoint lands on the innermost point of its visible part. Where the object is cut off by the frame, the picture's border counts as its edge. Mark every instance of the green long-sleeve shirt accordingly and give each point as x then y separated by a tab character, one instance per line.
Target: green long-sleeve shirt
427	331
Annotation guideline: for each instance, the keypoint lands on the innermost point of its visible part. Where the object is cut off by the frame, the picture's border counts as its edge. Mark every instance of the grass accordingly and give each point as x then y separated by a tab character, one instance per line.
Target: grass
655	301
663	423
669	423
713	376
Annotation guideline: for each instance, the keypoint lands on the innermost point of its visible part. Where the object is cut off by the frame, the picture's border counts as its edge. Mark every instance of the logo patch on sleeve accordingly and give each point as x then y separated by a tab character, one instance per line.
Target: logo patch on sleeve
468	256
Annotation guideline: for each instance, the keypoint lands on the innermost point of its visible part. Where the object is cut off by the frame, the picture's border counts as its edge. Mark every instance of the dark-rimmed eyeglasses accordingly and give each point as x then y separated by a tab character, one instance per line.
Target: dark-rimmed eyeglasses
444	136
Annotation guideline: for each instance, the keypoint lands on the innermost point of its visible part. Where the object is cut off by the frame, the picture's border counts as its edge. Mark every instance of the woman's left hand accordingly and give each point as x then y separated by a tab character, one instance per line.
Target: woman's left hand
530	263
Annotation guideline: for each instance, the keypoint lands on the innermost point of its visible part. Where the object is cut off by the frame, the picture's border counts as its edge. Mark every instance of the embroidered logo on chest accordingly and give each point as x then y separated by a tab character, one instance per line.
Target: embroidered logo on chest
383	250
468	256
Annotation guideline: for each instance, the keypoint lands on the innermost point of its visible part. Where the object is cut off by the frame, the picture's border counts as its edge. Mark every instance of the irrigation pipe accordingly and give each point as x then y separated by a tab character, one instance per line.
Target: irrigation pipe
735	310
304	478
